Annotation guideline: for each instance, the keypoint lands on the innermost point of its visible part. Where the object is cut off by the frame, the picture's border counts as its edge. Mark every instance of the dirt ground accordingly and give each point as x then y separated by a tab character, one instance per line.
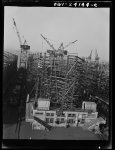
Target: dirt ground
57	133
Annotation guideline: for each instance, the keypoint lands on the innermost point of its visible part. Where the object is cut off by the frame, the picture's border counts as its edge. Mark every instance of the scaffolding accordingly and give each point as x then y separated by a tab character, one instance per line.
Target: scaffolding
58	78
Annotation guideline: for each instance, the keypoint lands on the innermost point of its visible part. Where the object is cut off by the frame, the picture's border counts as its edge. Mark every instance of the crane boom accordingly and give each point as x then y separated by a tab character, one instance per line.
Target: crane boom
48	42
18	34
24	41
70	43
61	46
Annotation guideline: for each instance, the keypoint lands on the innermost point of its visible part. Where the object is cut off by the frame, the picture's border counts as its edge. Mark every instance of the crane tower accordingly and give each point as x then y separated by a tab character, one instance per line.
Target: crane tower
23	55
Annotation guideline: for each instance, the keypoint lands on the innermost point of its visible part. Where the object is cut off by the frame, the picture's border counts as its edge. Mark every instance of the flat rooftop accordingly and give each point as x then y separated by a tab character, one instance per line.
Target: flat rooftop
74	110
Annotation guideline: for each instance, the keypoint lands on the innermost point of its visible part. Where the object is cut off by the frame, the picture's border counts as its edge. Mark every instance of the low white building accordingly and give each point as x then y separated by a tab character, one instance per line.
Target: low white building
70	117
74	118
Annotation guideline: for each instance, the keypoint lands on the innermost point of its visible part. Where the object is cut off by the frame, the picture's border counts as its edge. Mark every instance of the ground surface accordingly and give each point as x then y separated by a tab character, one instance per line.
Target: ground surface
59	133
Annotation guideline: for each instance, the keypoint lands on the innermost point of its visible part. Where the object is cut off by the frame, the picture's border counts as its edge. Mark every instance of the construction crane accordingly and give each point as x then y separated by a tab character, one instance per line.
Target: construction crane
89	57
48	42
96	56
18	34
63	47
23	55
60	49
25	42
22	46
20	94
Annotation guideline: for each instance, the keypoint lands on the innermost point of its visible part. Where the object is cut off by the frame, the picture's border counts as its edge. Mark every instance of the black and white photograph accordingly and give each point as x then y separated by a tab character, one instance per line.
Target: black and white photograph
56	73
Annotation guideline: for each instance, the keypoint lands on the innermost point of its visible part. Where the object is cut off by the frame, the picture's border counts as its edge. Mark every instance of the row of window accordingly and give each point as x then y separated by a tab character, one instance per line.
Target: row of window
69	115
91	115
49	120
39	113
49	114
59	120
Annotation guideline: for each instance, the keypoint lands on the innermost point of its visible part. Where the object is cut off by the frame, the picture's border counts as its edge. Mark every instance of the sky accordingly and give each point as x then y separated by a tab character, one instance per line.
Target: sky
90	26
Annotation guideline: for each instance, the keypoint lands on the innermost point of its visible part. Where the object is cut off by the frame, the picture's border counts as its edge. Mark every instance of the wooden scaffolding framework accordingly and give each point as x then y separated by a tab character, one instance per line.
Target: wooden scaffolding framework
59	77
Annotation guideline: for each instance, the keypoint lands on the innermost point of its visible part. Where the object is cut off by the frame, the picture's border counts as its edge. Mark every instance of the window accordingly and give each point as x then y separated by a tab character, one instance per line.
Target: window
47	120
71	121
47	114
69	115
38	113
51	120
63	115
62	120
73	115
52	114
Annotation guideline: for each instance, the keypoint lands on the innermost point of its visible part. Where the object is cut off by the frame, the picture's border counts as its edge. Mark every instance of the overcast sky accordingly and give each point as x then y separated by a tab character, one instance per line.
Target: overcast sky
90	26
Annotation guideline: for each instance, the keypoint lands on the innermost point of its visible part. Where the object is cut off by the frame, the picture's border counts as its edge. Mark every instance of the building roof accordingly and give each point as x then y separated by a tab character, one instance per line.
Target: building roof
89	102
68	110
43	99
